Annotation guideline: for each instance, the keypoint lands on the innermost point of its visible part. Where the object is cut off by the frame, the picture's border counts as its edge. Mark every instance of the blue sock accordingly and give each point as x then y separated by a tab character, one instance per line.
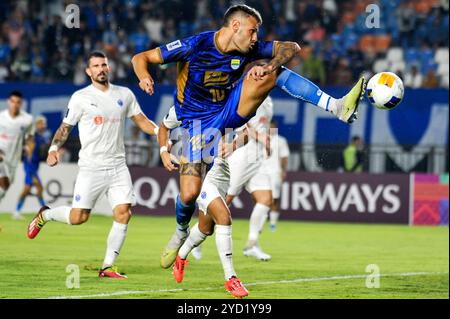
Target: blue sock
183	213
303	89
41	201
20	204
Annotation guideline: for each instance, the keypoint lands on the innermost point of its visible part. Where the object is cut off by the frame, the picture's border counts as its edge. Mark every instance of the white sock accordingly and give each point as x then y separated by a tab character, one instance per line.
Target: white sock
327	103
257	220
115	241
224	245
274	217
2	193
195	238
59	214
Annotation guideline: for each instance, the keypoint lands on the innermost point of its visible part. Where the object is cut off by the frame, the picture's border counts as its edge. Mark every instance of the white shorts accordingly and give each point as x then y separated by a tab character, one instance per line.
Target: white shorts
248	174
91	184
7	171
276	182
215	185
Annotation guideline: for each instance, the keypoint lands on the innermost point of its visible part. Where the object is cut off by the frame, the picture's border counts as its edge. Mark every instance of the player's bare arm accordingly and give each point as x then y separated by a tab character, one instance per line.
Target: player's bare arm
285	51
146	125
141	63
58	141
164	151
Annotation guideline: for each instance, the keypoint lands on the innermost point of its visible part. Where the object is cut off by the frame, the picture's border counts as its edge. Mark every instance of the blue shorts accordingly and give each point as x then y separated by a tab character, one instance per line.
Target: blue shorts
206	130
29	175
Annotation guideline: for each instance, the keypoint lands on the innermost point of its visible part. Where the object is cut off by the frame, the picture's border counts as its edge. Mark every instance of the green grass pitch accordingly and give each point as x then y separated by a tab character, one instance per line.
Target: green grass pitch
309	260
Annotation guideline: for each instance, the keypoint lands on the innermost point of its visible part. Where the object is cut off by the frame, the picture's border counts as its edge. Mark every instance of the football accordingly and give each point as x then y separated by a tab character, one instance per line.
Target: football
385	90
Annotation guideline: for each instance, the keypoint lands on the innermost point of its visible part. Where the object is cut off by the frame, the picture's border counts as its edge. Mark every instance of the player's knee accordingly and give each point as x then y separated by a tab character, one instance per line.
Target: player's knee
4	183
122	216
190	196
266	201
79	217
207	230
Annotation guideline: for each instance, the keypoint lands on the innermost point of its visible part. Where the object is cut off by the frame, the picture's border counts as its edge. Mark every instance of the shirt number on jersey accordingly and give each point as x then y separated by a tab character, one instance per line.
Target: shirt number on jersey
217	95
198	142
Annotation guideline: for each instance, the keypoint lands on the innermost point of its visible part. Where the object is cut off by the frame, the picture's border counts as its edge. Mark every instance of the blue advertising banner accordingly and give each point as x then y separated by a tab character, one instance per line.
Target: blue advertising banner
421	118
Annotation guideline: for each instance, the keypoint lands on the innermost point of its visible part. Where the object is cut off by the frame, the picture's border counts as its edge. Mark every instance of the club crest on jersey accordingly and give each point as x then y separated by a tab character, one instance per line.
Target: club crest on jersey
235	64
120	102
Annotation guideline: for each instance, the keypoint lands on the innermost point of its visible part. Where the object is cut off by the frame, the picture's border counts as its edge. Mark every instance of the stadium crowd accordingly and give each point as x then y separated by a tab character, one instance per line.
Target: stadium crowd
338	40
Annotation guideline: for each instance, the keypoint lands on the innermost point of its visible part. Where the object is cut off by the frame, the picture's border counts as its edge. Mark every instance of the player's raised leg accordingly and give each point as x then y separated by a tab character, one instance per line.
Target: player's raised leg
115	241
255	90
190	186
62	214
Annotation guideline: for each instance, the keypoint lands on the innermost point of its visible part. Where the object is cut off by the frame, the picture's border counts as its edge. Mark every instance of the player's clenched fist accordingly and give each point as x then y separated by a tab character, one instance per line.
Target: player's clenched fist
146	85
52	158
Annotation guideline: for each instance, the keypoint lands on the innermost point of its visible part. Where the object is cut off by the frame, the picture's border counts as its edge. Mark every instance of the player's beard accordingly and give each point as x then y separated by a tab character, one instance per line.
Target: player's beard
101	79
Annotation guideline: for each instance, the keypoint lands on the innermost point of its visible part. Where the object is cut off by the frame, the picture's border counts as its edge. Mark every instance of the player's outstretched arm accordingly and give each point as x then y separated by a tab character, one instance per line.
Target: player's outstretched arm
59	139
146	125
141	63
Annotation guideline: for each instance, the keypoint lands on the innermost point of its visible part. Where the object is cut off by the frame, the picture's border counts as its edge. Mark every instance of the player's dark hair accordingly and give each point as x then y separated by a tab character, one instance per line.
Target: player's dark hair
95	54
15	93
249	11
355	138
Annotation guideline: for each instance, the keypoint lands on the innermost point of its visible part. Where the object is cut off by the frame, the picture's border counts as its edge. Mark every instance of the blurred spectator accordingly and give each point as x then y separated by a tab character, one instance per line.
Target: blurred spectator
4	73
406	19
33	33
431	80
413	78
342	74
353	155
314	69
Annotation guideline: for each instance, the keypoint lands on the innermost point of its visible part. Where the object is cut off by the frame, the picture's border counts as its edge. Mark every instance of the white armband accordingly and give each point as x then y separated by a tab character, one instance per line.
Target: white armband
53	148
163	149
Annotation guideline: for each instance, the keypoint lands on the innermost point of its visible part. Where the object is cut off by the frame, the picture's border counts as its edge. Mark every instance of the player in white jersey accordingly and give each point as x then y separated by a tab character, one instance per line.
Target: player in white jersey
100	110
211	202
16	126
248	172
276	165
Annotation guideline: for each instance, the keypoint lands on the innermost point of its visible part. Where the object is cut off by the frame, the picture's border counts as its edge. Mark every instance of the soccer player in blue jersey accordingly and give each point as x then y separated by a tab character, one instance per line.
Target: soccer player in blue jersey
31	166
211	88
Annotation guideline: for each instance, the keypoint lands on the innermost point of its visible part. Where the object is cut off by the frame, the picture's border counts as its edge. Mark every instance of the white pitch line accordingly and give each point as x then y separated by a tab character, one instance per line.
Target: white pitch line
313	279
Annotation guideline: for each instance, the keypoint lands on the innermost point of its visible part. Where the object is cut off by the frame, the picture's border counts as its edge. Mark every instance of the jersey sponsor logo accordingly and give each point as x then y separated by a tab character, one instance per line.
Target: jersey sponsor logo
120	102
235	64
98	120
213	78
174	45
94	105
